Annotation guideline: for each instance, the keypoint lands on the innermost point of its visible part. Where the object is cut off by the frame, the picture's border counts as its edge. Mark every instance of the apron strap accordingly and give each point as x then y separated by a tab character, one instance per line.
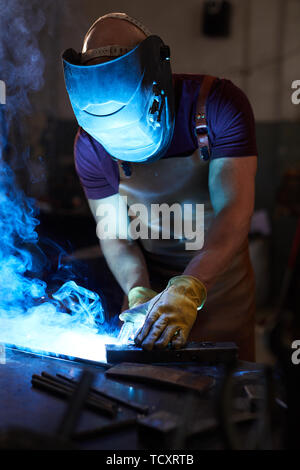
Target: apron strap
125	168
201	123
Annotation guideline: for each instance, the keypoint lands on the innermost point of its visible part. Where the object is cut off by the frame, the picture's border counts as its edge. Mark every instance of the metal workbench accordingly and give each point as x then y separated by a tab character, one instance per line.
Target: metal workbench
27	407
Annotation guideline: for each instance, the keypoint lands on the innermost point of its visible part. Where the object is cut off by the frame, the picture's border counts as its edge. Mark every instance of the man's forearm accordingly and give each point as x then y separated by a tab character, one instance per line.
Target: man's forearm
224	238
127	263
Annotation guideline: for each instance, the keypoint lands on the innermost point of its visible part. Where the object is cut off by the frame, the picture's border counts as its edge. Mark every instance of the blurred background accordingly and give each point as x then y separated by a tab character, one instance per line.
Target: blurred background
254	43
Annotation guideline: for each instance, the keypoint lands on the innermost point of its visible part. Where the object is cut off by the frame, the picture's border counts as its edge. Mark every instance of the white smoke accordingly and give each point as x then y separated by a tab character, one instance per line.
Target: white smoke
66	322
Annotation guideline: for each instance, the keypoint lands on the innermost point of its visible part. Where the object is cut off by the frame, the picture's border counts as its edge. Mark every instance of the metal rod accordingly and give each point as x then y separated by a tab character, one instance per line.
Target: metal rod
143	409
72	385
58	389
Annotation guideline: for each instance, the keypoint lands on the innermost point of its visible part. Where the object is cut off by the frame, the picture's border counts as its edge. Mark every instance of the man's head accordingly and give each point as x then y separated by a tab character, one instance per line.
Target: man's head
114	29
120	87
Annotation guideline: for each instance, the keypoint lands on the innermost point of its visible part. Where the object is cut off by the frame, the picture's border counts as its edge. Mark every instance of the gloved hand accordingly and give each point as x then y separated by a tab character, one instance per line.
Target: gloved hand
172	313
134	317
137	296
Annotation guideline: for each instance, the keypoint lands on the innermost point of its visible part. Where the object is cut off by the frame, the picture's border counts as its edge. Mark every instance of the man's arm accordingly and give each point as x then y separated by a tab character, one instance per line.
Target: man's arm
232	190
124	256
174	311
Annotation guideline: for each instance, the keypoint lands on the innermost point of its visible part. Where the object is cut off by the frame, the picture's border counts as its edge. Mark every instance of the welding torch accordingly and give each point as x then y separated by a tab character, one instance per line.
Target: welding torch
136	319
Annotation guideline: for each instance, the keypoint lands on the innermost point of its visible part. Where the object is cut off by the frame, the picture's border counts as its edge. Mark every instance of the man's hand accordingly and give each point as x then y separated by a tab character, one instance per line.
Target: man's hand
138	296
134	317
172	314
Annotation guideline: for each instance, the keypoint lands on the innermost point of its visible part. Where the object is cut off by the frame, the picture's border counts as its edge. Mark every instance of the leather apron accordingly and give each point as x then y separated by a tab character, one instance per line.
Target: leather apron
228	314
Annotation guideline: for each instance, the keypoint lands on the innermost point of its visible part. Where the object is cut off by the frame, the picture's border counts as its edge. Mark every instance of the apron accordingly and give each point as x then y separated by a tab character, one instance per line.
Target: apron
228	314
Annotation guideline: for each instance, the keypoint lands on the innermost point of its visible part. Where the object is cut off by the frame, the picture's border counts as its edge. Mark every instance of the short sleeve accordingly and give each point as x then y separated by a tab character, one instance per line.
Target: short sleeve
91	169
231	122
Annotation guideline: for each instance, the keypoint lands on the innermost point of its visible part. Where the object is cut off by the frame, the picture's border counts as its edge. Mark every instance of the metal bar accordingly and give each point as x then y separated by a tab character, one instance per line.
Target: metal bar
63	357
192	352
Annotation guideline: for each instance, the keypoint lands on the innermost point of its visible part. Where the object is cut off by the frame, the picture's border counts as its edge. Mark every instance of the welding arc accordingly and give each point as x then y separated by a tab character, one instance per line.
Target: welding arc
64	390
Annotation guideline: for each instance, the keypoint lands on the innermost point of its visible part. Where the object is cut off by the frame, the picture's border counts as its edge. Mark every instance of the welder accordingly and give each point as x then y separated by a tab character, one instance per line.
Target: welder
157	137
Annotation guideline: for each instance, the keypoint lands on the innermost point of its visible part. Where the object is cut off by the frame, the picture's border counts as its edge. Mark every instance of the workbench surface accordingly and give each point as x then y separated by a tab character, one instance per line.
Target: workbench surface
36	410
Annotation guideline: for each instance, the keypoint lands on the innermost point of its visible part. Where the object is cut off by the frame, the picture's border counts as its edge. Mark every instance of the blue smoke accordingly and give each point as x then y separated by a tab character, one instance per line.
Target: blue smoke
67	321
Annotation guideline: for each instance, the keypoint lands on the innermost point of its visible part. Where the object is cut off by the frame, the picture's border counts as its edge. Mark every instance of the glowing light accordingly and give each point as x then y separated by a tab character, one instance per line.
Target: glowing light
66	323
70	321
55	339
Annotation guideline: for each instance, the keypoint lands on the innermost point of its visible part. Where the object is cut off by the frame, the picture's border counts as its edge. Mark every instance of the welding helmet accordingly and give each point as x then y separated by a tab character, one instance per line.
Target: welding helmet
126	103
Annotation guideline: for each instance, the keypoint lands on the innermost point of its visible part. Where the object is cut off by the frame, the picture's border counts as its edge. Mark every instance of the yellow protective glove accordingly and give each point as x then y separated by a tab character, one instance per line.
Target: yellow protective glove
172	314
137	296
134	317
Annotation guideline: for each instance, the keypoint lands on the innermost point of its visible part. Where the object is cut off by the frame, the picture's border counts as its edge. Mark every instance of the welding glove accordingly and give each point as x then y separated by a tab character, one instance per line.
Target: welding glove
172	314
140	295
137	296
134	317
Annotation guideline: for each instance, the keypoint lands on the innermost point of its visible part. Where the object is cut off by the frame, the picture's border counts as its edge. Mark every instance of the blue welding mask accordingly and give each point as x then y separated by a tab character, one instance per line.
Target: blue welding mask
125	103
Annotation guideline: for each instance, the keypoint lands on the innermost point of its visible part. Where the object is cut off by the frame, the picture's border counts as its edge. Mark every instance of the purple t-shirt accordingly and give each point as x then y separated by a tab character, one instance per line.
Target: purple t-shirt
231	133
